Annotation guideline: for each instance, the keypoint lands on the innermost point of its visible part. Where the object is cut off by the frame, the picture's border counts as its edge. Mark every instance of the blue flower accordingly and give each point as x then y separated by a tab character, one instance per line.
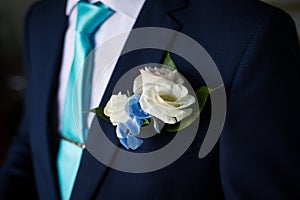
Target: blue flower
135	111
127	132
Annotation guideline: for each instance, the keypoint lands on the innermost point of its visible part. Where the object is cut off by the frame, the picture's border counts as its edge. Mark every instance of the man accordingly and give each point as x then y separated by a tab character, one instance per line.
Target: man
257	157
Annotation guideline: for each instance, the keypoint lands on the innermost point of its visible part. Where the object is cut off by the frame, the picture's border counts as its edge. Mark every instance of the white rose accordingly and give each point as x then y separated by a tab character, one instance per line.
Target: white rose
115	109
166	101
154	75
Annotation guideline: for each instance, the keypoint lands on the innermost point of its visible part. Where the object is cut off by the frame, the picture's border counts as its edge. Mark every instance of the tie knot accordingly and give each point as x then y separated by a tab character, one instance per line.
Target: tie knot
91	16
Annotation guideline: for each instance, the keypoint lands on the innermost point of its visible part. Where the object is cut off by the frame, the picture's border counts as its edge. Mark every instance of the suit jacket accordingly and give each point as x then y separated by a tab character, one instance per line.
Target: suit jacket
257	157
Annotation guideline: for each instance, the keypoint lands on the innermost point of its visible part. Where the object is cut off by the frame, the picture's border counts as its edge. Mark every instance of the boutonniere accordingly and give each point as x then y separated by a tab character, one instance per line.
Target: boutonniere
159	97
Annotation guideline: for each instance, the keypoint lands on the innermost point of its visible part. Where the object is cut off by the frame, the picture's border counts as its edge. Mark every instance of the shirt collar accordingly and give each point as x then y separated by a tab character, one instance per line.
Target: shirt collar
131	8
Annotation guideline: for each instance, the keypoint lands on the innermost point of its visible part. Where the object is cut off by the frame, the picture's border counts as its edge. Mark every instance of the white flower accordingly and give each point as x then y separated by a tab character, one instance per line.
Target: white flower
164	96
155	75
115	109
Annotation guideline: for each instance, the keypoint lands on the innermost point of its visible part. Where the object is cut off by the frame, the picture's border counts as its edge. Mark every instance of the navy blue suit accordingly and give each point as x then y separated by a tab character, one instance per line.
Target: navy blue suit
255	47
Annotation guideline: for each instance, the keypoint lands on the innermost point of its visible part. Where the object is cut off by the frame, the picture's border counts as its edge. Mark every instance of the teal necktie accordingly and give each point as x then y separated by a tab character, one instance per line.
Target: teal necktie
74	119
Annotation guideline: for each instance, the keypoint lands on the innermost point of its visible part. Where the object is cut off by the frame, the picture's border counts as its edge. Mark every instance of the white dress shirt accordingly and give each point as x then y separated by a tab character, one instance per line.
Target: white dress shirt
126	13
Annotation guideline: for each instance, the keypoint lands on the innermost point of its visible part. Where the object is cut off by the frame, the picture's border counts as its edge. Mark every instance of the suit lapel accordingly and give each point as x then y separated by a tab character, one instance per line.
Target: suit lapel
155	13
46	36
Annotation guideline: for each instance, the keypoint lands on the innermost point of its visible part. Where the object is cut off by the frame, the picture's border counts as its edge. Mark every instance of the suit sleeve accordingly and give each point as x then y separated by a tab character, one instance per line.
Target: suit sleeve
259	146
16	175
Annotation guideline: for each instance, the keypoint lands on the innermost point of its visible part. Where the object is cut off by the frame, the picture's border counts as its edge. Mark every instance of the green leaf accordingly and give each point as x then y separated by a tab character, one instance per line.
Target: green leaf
202	95
100	112
147	122
168	61
128	94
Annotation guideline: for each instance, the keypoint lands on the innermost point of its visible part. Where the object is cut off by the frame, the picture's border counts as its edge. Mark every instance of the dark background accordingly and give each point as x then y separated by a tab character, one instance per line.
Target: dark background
12	78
